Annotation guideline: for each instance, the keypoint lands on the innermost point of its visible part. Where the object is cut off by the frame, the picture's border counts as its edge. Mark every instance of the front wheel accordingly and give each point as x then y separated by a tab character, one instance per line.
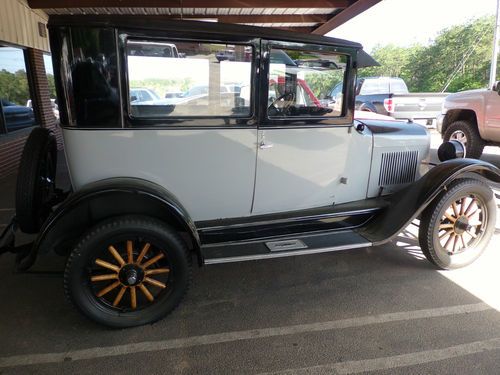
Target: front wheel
468	134
128	271
456	228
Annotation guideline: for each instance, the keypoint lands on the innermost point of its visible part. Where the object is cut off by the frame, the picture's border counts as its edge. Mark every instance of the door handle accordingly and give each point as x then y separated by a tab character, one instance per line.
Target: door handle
265	146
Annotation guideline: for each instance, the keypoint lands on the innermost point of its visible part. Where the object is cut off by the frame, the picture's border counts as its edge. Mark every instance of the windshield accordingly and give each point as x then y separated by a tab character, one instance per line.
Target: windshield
300	81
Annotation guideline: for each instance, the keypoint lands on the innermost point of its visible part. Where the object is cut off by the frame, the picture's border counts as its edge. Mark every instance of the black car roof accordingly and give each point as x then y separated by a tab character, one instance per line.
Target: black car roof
158	23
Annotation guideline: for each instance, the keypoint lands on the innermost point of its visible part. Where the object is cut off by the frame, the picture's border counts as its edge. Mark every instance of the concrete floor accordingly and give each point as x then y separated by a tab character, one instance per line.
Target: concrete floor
384	310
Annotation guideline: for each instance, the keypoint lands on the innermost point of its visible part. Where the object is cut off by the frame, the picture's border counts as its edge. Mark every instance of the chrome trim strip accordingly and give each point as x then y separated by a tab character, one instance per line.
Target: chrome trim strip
292	219
283	254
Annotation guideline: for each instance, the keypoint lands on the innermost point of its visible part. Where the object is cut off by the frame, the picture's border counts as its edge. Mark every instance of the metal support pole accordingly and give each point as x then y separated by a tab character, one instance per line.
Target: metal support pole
494	59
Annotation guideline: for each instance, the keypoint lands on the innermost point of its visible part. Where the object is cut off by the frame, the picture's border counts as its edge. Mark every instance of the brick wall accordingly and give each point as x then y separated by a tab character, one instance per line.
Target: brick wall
41	99
10	153
11	145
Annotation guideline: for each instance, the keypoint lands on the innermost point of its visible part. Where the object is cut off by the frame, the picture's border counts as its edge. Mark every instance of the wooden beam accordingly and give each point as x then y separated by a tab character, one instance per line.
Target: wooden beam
41	4
342	17
264	18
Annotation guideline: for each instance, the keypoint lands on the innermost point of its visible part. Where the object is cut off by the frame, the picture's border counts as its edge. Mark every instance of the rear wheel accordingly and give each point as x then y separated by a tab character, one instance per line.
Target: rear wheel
456	228
128	271
468	134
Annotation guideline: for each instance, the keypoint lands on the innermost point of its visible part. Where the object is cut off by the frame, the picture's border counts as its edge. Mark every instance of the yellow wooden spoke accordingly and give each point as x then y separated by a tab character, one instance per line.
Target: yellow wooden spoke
146	292
143	252
463	241
445	226
154	282
133	298
455	209
116	255
448	232
130	252
111	276
157	271
153	260
455	242
449	240
471	204
119	296
108	289
471	234
107	265
449	217
472	213
462	206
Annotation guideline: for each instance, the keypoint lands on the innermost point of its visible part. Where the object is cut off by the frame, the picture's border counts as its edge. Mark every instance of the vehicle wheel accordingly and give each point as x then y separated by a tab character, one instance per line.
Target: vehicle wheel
468	134
36	180
456	228
128	271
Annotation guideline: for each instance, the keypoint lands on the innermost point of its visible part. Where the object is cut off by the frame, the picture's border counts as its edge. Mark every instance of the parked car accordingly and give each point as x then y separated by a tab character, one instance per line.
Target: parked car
55	109
150	48
16	116
473	118
390	96
281	175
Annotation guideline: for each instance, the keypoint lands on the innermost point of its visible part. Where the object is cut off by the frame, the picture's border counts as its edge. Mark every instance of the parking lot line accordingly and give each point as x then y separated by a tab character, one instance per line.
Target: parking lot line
7	209
234	336
403	360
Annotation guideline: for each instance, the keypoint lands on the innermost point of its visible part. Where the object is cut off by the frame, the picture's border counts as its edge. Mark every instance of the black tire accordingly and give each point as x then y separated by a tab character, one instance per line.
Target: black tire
93	246
439	247
475	145
36	180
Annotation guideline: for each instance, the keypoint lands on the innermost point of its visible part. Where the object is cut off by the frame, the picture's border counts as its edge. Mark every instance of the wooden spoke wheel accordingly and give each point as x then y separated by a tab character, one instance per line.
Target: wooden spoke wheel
458	225
128	271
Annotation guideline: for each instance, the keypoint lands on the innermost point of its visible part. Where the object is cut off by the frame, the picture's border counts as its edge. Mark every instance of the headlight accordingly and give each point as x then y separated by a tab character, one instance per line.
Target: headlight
452	149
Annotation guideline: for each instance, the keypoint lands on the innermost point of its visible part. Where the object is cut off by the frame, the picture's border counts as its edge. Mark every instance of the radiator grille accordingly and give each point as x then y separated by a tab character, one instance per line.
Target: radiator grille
398	168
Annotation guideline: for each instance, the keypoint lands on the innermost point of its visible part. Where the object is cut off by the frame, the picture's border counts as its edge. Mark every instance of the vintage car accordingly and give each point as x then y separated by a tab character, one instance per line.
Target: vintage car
265	173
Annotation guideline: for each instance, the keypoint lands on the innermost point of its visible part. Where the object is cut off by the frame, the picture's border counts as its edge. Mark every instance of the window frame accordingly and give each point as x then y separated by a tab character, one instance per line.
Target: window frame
347	115
169	122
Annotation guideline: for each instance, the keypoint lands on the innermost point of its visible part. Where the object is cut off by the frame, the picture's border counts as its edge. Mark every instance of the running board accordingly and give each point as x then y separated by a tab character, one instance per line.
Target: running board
284	247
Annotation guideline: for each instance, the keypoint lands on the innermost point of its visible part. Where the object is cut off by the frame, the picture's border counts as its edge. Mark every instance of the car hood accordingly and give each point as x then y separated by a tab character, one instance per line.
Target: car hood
393	127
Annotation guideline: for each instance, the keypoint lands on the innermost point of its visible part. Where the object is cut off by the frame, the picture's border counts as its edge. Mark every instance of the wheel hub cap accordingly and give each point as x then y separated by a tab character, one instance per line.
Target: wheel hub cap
461	225
131	275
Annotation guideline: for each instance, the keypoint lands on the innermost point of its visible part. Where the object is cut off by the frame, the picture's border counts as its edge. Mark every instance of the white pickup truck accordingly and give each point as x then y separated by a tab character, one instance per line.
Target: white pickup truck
472	117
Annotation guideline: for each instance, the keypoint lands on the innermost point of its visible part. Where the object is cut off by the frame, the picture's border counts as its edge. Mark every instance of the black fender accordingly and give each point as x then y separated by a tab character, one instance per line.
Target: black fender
112	197
407	204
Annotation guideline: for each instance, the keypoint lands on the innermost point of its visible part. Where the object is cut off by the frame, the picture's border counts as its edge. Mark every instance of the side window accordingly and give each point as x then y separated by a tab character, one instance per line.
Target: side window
95	78
374	86
302	81
398	87
188	79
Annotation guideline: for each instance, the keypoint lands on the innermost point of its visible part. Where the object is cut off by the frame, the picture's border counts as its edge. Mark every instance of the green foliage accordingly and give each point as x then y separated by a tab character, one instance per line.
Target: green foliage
14	86
321	83
458	59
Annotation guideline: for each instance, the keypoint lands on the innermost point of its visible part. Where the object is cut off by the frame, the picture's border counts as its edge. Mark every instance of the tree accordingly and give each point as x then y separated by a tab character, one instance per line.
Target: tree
458	59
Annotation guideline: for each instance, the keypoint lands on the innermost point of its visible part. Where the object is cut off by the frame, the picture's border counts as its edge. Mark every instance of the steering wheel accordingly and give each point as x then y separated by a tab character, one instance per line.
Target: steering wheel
282	104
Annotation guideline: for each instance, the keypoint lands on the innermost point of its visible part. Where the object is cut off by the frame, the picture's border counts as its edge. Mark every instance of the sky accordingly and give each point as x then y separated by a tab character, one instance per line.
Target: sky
406	22
12	60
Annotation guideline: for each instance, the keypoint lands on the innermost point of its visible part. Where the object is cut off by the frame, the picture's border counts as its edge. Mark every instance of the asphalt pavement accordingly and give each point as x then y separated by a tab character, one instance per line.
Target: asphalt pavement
382	310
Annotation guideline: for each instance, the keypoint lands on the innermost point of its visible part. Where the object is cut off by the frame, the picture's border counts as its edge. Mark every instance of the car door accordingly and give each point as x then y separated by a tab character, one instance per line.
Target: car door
308	153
